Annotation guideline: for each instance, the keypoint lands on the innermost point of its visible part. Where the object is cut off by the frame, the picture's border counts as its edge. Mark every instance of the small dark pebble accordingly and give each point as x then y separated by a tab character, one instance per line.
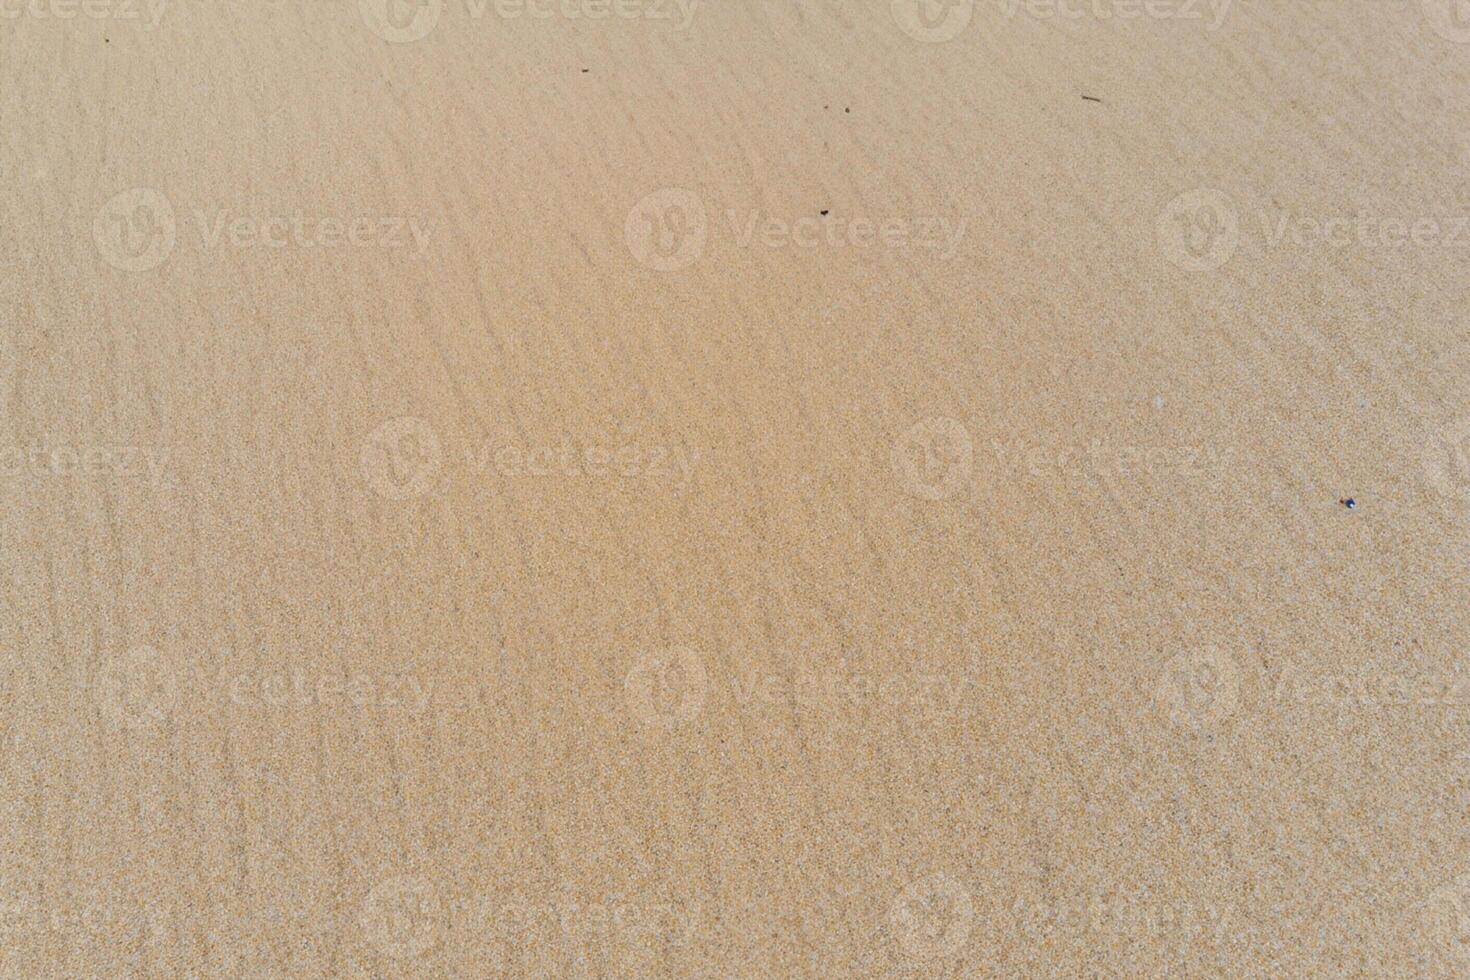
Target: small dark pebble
848	109
586	70
825	213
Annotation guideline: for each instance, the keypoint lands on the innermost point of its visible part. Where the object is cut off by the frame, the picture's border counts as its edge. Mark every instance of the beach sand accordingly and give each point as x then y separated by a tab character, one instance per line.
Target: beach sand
734	489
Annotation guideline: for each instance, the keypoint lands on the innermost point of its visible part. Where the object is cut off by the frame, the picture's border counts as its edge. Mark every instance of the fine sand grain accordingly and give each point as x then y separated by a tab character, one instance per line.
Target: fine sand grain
742	488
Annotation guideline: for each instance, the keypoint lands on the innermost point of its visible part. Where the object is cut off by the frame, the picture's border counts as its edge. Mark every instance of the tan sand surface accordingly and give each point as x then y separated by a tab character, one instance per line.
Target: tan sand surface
620	488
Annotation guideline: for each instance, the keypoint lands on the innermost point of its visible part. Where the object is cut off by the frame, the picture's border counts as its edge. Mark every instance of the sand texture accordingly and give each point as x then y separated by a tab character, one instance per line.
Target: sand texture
631	488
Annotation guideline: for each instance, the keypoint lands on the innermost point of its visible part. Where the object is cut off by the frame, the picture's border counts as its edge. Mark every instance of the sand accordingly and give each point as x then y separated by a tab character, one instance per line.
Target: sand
734	489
